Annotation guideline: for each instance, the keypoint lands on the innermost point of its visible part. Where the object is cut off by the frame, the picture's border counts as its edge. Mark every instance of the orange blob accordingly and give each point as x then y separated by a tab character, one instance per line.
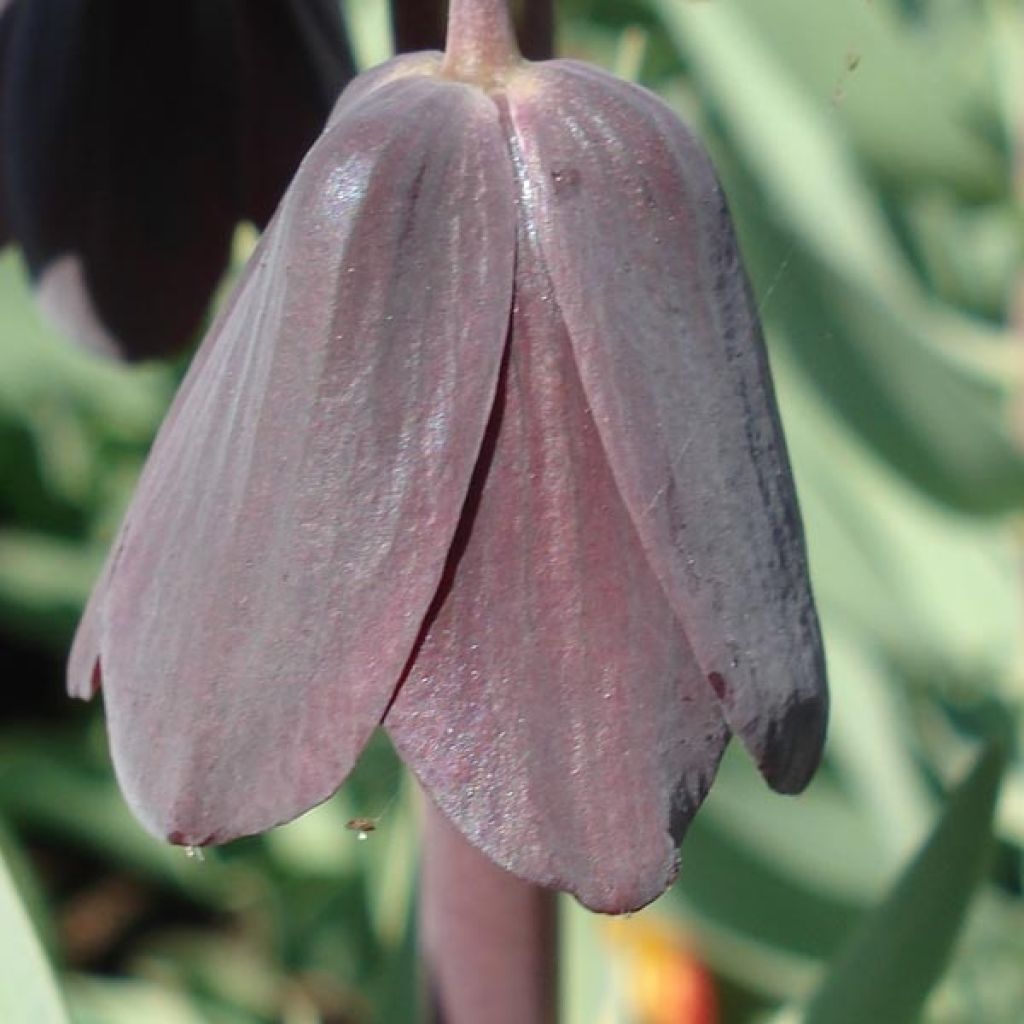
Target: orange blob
667	982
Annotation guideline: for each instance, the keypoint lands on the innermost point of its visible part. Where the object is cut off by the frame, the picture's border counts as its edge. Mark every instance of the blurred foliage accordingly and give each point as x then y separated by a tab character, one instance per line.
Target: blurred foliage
873	153
28	991
889	967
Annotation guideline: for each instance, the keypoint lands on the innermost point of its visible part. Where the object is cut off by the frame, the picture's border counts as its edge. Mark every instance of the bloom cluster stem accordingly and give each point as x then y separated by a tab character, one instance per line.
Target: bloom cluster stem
481	40
420	25
488	938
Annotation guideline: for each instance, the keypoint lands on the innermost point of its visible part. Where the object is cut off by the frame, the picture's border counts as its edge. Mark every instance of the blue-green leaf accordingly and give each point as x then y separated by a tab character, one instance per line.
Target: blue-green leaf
28	993
901	950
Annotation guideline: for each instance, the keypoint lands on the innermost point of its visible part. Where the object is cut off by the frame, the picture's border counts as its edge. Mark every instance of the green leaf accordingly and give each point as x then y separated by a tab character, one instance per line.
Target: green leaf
902	949
398	992
44	581
756	920
42	375
801	158
49	784
828	843
868	747
28	992
935	591
590	984
890	88
122	1001
891	371
892	359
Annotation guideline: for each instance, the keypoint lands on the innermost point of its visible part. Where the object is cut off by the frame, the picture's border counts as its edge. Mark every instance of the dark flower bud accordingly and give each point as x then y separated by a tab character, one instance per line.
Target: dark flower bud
134	137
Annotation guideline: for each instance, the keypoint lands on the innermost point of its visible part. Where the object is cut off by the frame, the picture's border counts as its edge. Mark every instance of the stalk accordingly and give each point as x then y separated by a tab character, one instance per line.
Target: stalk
481	40
488	938
420	25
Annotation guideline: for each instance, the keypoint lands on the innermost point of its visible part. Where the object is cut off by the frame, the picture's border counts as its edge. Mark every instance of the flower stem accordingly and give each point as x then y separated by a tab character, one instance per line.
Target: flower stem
488	938
481	41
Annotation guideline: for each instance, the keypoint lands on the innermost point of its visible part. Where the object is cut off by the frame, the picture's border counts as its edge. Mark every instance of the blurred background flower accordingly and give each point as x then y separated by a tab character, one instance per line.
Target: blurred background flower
873	154
662	979
134	137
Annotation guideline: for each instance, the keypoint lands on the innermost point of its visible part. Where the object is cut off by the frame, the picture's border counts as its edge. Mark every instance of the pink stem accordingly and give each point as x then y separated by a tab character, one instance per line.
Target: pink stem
488	938
419	25
481	41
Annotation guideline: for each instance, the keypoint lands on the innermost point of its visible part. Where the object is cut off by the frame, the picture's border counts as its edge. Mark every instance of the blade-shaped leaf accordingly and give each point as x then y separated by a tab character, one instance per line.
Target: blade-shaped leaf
28	992
902	104
900	952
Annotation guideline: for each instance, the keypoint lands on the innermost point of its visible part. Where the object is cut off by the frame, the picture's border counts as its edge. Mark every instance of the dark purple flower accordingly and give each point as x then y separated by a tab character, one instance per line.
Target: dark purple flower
134	136
483	448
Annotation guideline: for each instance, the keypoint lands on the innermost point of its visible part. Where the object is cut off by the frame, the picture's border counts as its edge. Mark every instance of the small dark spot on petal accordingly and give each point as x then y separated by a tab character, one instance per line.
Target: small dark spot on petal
719	685
566	180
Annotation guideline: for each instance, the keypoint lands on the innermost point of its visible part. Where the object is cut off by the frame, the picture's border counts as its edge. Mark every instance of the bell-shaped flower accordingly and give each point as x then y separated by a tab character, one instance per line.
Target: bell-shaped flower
484	448
135	136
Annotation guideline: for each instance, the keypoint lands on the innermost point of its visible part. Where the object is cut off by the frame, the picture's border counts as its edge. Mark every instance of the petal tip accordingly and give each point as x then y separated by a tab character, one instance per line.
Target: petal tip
63	296
628	891
793	748
85	671
177	837
85	684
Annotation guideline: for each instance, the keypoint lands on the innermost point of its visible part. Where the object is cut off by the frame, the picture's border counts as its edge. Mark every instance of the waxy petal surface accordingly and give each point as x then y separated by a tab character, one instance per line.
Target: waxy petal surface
635	232
292	524
554	710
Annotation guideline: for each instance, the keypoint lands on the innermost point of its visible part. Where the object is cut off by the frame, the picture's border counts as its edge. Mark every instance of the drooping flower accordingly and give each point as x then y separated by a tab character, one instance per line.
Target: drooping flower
135	136
483	448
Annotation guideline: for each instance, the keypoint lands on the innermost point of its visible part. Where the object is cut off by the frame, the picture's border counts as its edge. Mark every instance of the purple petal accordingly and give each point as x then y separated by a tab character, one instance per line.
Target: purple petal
554	711
292	524
84	660
634	228
409	65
